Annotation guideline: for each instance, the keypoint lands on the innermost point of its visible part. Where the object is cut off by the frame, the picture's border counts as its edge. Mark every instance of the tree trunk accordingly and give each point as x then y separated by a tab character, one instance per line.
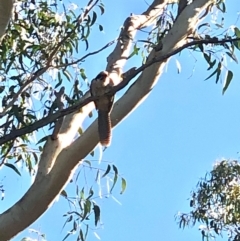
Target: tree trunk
60	157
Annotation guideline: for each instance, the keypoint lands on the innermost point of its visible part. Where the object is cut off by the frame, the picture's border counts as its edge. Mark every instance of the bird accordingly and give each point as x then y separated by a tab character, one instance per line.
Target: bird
98	88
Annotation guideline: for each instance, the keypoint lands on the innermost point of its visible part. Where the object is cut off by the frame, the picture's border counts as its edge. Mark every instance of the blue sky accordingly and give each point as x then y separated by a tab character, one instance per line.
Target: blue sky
161	149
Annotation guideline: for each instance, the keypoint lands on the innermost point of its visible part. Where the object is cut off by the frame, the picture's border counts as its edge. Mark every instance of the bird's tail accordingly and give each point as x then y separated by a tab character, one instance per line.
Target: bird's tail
104	127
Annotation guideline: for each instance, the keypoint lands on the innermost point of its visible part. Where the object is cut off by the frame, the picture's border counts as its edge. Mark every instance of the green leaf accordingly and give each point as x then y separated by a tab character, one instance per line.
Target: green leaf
228	79
81	237
12	167
211	64
207	57
92	153
96	210
124	185
66	236
67	74
200	46
58	84
135	51
213	73
115	169
203	25
87	209
2	89
75	226
218	71
80	131
35	157
86	42
115	177
81	194
237	44
100	27
64	193
82	73
237	32
107	171
94	18
91	192
88	162
86	232
42	139
232	56
101	6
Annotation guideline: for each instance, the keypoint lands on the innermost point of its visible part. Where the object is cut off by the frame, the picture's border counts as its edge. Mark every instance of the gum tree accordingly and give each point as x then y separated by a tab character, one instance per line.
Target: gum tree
35	71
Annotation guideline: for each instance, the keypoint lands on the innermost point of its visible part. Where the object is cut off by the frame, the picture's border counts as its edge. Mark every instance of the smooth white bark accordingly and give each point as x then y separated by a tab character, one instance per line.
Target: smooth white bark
60	157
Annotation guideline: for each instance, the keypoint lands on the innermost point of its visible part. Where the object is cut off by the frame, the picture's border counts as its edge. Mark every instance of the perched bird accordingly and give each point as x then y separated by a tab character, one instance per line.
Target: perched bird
99	86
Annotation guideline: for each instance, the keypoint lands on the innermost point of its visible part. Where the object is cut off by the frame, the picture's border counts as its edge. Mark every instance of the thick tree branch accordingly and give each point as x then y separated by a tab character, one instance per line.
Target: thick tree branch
51	118
117	59
5	14
67	127
32	204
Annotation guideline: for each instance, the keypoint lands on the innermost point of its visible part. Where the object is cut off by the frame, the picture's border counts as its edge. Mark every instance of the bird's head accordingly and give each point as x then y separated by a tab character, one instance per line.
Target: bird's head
102	75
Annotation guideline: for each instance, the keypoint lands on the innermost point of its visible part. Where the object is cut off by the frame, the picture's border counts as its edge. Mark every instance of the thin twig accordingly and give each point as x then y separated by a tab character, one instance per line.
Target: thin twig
41	71
51	118
87	55
37	74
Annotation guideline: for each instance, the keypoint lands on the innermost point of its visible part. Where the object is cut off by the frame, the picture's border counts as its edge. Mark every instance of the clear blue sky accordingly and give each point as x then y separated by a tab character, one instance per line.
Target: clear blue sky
162	148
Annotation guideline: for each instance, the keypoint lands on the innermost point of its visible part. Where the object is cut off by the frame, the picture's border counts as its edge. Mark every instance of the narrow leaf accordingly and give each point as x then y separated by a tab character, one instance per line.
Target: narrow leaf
213	73
86	232
87	208
115	177
101	6
12	167
237	32
64	193
88	162
96	210
228	79
100	27
94	18
67	221
66	237
42	139
107	171
124	185
81	235
233	56
211	64
218	75
75	226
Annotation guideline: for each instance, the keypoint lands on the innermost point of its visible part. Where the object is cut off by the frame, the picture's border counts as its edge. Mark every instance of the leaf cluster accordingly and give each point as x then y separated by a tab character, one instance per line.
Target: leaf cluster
36	57
84	204
216	202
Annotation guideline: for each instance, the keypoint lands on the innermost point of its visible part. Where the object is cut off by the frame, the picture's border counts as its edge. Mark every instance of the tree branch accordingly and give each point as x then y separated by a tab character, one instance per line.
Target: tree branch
87	55
33	77
117	59
32	204
5	14
49	119
39	72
